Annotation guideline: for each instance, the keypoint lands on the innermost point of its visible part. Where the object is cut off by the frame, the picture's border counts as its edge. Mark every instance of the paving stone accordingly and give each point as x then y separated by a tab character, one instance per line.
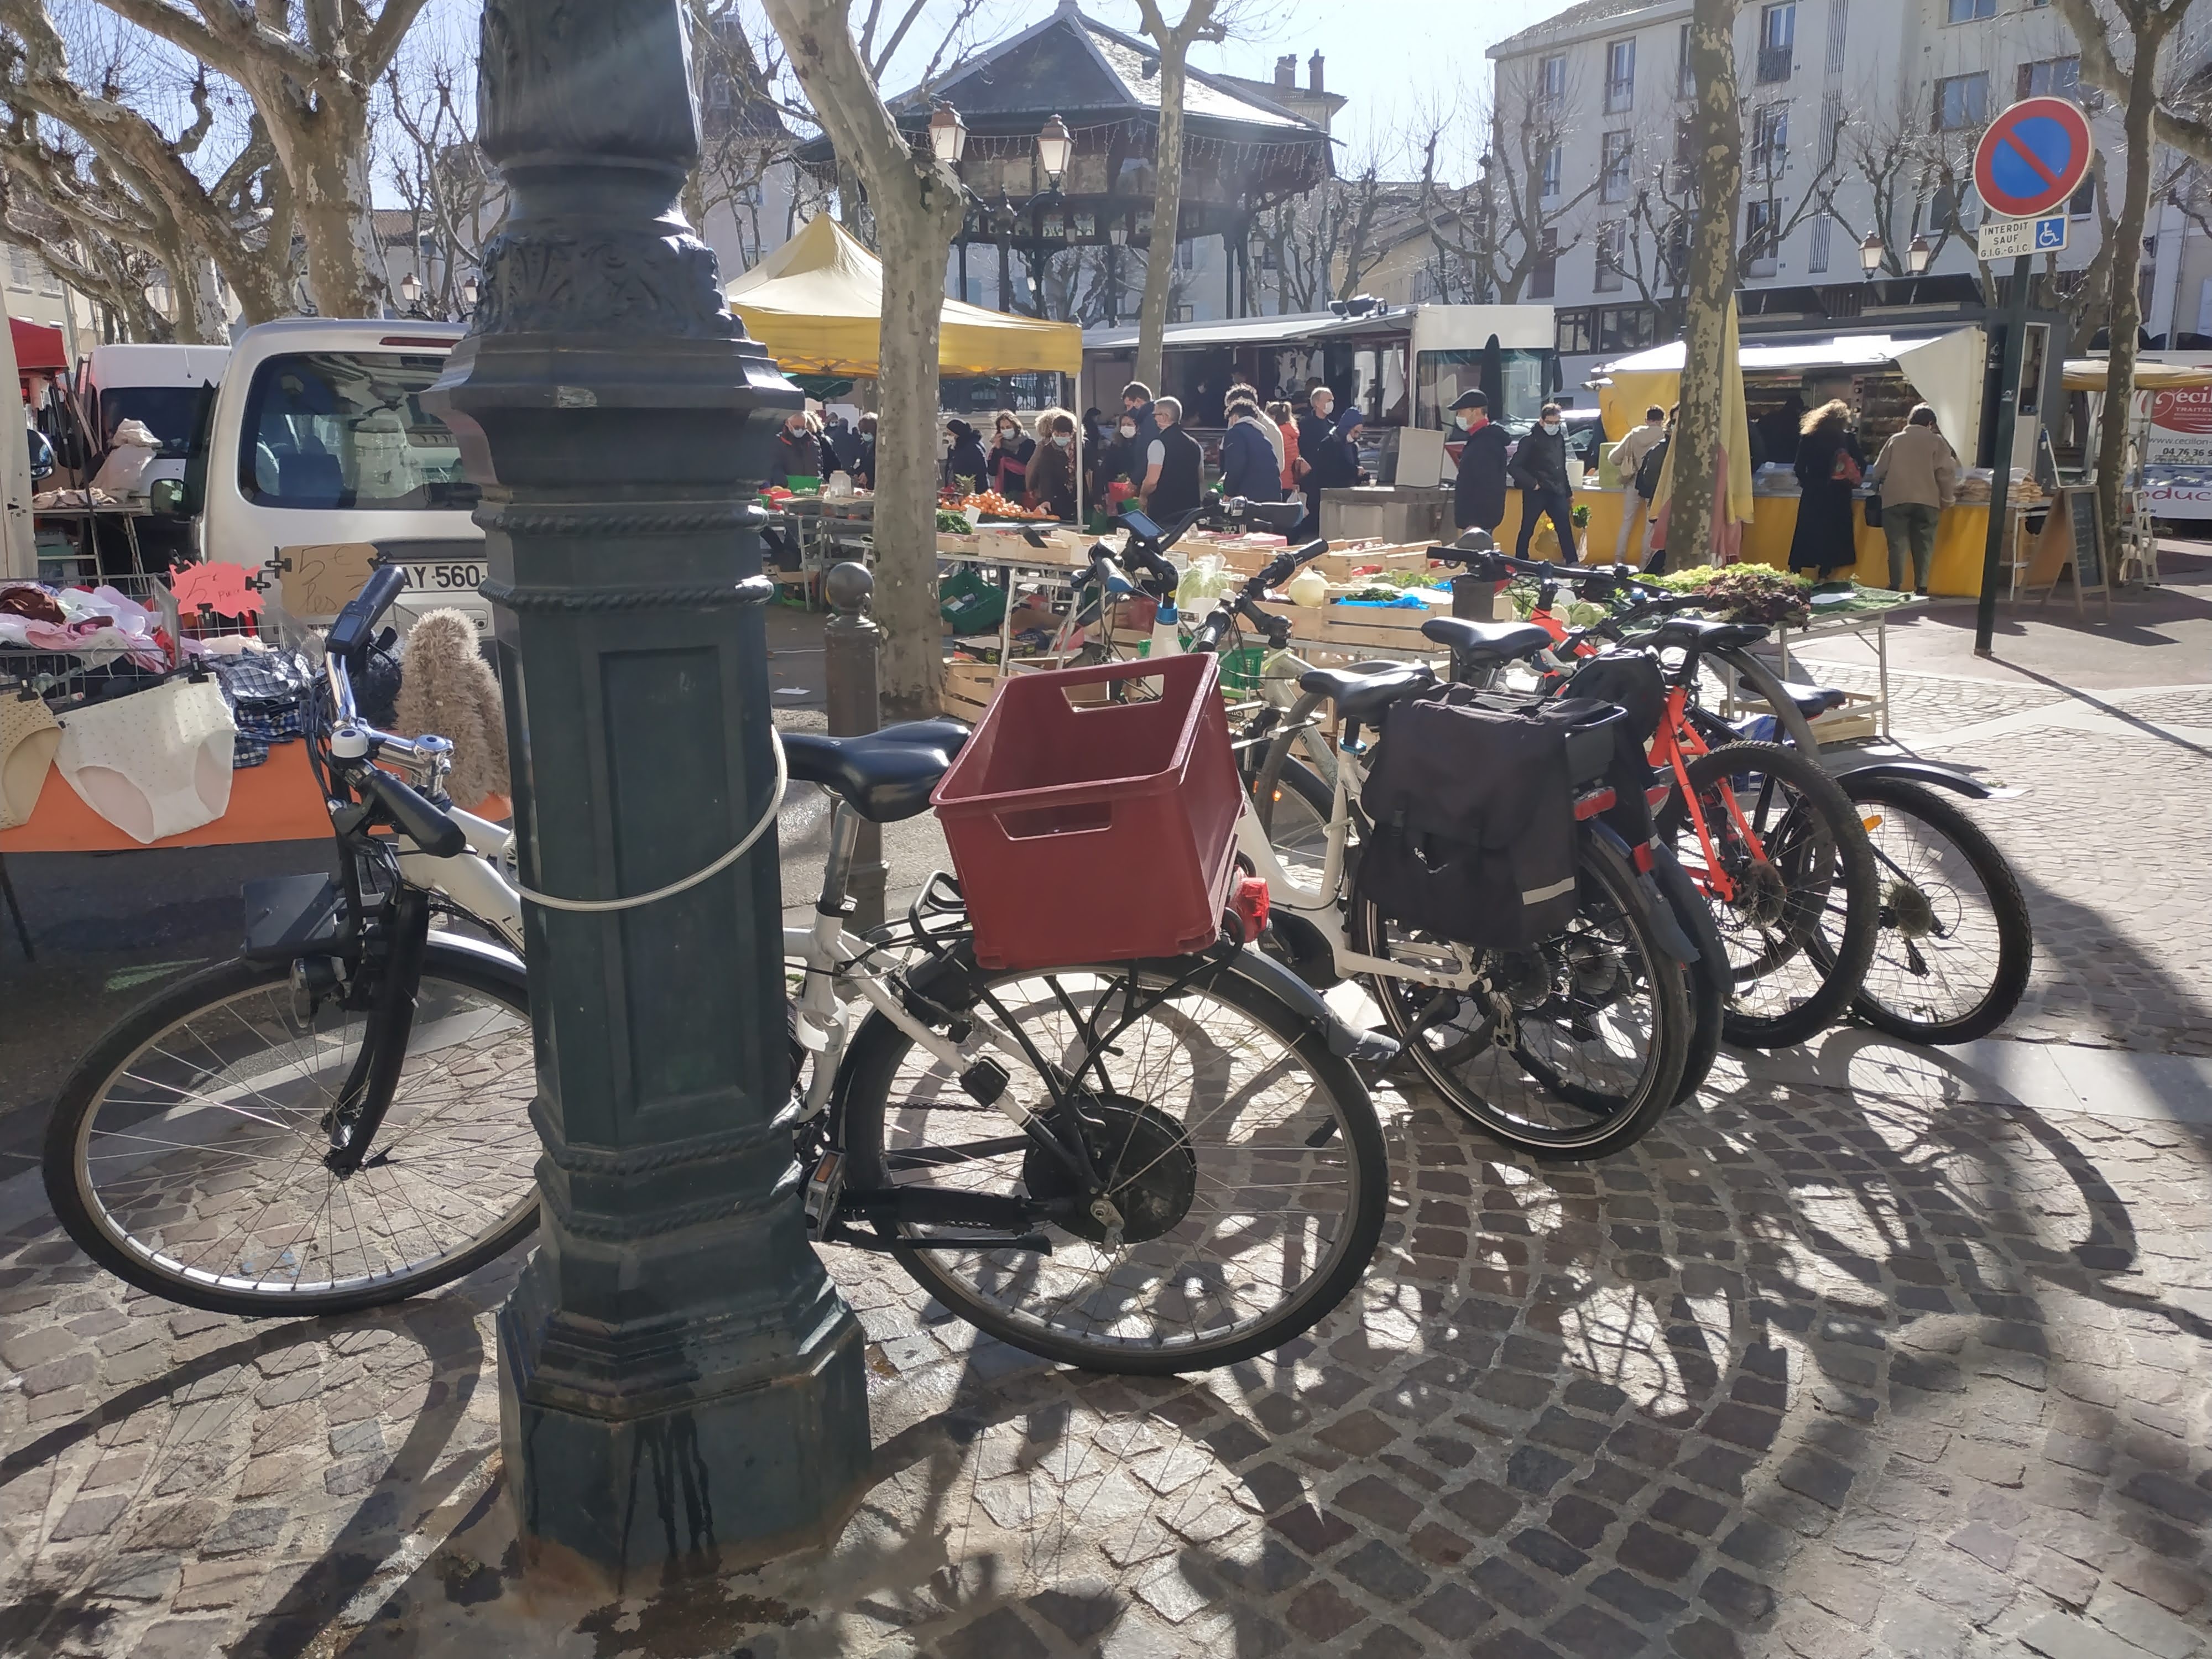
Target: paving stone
2146	1623
2062	1636
1383	1572
1454	1613
1656	1554
1377	1500
1321	1613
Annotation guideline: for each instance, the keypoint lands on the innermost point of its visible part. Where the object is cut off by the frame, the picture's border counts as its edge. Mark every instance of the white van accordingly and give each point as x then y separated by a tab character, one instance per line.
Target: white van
317	437
159	385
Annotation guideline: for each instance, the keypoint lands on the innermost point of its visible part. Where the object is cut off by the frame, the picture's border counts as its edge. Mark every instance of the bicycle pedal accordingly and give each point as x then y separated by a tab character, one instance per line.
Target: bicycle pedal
826	1190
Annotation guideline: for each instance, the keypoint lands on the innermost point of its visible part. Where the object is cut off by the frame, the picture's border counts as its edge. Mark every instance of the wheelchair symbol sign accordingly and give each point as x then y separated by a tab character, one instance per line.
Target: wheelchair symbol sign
2050	233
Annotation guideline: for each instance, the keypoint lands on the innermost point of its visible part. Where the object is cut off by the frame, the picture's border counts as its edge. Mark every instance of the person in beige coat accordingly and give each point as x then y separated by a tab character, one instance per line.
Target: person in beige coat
1627	456
1917	472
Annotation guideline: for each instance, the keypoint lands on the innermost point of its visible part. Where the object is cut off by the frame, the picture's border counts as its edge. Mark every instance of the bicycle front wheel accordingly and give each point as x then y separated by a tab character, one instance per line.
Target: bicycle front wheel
1776	847
1245	1156
185	1154
1953	958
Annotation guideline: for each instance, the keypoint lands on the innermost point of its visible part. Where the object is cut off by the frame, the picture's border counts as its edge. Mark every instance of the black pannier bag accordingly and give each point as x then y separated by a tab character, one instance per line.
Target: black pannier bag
1632	679
1473	809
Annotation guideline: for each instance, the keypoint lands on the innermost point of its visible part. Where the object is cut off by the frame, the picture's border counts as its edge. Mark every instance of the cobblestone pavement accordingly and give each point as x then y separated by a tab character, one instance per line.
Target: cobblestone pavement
1817	1371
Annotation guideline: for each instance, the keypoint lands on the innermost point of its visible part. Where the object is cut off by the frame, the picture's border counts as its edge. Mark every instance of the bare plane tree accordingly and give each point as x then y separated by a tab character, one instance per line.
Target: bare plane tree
311	67
1716	149
427	154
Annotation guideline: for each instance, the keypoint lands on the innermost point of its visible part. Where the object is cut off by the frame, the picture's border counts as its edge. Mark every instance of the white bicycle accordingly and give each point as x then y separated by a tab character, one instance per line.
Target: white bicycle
1141	1167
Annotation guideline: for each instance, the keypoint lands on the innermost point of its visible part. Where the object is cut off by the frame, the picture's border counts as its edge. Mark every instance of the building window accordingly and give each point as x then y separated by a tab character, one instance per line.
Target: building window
1758	239
1550	172
1675	254
1612	255
1686	156
1961	101
19	267
1943	210
1552	81
2053	78
1615	175
1544	275
1832	126
1770	142
1686	83
1838	18
1619	76
1816	255
2083	202
1777	43
1969	11
1571	332
48	282
1626	328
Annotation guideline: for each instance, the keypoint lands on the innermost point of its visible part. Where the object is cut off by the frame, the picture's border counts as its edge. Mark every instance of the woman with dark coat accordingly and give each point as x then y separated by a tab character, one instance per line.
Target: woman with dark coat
1009	456
1829	467
1052	469
966	460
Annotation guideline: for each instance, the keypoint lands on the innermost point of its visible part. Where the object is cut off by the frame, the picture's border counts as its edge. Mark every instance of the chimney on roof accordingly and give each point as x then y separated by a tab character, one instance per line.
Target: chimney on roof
1286	72
1313	68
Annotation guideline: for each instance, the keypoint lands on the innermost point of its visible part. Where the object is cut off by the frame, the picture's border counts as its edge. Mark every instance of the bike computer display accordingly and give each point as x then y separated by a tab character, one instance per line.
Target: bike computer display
1140	527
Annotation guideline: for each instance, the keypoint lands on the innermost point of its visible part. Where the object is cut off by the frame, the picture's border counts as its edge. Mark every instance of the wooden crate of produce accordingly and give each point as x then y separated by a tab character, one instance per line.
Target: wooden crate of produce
1356	628
1859	717
1336	567
967	689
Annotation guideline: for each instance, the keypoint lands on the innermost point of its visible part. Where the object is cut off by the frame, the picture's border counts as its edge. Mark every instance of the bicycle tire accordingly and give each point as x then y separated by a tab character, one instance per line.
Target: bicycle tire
1803	890
2015	954
1707	977
1619	1120
1790	720
866	1103
90	1219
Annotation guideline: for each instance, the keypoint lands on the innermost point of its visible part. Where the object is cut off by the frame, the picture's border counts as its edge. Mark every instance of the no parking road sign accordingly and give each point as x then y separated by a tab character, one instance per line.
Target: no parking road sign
2034	155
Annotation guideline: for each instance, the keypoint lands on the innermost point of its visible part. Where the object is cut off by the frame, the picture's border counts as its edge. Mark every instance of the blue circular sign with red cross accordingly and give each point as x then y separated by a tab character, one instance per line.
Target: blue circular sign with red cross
2034	155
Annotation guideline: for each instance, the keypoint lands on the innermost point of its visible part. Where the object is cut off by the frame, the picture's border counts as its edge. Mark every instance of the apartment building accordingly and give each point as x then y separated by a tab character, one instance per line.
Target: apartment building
1860	116
35	294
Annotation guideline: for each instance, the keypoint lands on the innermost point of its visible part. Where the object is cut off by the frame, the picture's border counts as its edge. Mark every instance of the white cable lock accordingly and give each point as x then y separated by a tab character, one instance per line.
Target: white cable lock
600	907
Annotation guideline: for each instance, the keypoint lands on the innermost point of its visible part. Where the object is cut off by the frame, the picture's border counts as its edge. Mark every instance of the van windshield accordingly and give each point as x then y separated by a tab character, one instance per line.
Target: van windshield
348	430
168	411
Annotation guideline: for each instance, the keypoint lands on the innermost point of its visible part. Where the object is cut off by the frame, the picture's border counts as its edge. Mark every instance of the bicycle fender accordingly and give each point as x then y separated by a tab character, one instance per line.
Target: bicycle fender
1919	771
492	956
1345	1041
1664	924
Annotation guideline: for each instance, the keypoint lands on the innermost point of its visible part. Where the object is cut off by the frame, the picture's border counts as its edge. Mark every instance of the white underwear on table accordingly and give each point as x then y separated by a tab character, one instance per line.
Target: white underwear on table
28	737
154	764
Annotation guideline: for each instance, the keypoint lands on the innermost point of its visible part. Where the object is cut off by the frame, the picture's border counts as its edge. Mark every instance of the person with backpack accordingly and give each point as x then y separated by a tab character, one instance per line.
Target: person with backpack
1627	456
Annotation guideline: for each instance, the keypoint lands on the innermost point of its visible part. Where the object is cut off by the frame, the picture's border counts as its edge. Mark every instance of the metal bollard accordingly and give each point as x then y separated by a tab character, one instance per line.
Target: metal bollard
849	642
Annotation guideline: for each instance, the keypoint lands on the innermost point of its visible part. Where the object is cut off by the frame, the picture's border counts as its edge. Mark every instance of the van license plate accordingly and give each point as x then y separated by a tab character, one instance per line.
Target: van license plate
442	576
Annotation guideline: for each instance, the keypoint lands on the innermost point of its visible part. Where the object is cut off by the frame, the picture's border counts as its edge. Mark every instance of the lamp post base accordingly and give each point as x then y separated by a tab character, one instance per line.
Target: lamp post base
706	1477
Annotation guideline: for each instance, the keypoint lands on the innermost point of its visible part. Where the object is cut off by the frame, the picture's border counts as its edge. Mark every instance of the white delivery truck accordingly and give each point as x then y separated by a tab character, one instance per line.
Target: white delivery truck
162	386
316	447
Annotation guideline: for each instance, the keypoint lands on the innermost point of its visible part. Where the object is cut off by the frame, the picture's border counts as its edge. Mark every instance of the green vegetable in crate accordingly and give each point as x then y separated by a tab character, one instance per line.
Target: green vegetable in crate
952	524
1745	592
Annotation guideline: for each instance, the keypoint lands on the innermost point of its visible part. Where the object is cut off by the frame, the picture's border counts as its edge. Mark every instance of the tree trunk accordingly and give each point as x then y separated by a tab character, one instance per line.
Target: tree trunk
917	207
2126	311
1717	130
1167	216
325	162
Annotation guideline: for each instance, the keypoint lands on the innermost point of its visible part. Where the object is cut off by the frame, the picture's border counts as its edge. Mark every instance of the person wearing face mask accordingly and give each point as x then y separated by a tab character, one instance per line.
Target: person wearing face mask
1137	407
864	468
1294	468
1324	452
1627	456
1479	494
1175	468
1539	468
1009	456
800	452
1052	469
965	467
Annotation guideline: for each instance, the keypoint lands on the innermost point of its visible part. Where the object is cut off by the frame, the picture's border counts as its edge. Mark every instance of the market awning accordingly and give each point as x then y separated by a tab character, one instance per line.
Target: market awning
37	348
1258	331
2088	375
1944	364
816	304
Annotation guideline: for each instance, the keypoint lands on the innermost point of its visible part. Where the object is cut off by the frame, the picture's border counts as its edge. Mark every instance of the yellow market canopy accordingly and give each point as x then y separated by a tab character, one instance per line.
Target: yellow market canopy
816	304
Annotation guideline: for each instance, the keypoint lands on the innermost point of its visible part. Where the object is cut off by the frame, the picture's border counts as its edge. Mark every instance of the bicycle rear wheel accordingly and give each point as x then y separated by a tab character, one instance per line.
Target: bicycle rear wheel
1956	948
185	1152
1569	1050
1805	847
1246	1156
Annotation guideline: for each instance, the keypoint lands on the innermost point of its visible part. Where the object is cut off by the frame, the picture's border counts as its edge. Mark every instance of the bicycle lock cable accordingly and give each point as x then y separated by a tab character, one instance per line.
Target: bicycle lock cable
599	907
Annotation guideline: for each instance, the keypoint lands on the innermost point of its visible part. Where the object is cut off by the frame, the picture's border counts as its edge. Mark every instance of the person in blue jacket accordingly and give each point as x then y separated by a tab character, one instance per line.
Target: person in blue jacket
1251	454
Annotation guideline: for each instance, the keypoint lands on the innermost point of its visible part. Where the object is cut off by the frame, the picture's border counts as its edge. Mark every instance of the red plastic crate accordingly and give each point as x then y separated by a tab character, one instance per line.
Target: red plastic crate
1099	833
